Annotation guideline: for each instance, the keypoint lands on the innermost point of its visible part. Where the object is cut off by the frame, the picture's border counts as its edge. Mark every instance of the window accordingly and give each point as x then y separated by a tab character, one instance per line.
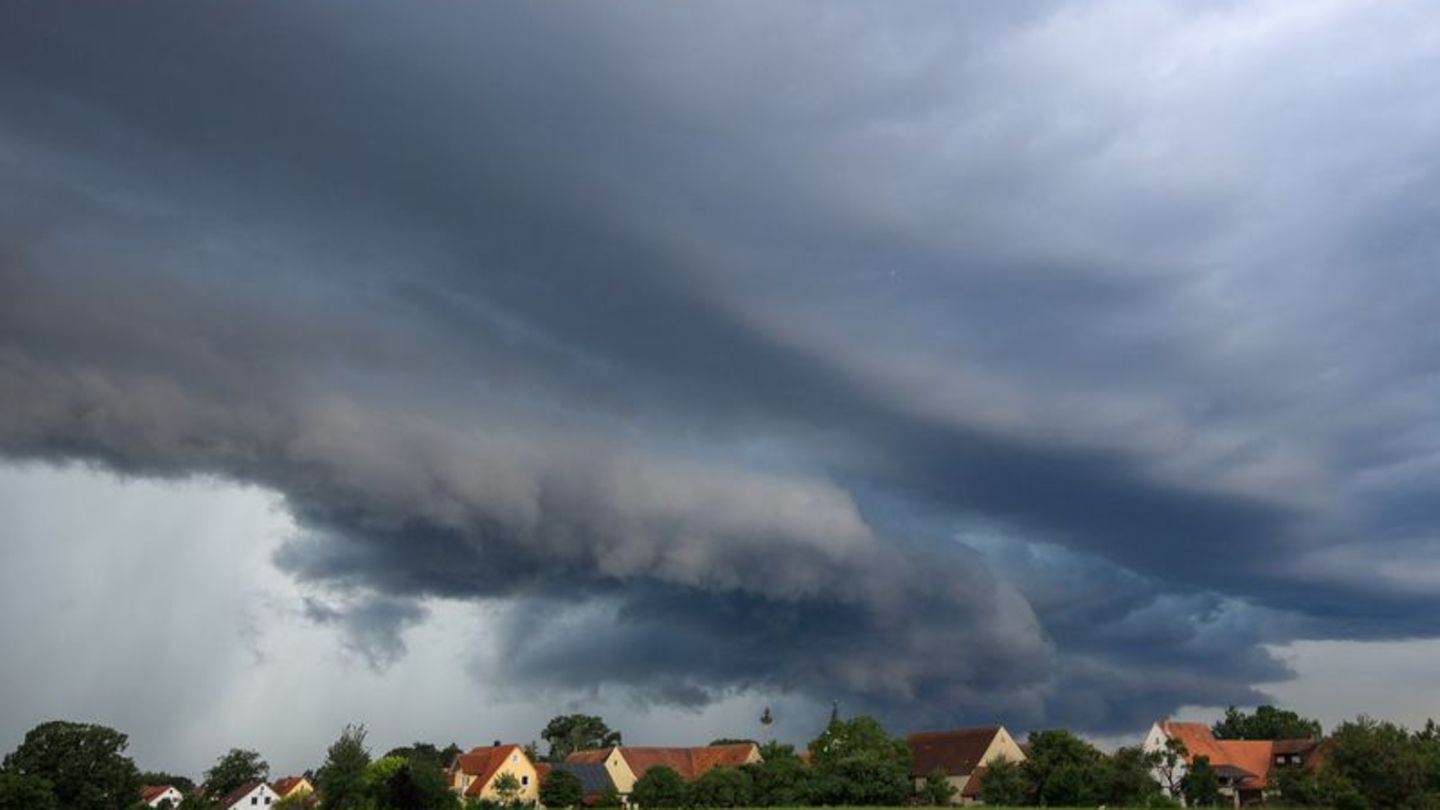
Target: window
254	800
524	780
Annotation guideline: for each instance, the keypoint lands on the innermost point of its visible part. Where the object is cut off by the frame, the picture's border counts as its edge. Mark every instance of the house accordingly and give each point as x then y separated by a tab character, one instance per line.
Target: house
1246	769
595	778
962	754
248	795
474	773
297	786
156	795
626	763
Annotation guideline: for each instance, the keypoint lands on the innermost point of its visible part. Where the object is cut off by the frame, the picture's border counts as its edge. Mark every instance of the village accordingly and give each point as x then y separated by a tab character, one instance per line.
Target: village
1268	757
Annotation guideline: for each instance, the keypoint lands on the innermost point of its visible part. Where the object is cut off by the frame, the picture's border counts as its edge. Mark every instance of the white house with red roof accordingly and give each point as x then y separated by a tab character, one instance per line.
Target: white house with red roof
248	796
158	795
1245	768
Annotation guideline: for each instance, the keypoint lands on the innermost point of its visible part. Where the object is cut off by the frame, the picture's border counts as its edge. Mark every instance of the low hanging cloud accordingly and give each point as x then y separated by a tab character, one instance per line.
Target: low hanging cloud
954	364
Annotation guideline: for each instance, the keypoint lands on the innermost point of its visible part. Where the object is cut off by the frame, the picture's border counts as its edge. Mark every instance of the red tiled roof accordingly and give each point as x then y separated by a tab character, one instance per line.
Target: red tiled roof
285	785
542	770
1301	747
224	802
1253	756
481	763
149	793
590	756
975	783
690	763
956	752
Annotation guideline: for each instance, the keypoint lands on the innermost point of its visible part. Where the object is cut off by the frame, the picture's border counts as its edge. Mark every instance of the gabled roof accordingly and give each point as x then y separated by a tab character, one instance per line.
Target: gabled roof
690	763
1247	761
1302	747
975	785
224	802
284	785
1234	773
482	763
149	793
957	752
592	755
594	776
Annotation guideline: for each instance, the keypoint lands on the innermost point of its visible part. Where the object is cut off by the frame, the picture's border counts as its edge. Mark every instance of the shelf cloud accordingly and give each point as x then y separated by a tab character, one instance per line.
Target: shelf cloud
1035	363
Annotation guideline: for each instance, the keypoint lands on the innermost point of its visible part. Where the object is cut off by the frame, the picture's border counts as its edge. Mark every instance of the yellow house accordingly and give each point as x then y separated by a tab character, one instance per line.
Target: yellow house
627	763
474	774
297	786
962	755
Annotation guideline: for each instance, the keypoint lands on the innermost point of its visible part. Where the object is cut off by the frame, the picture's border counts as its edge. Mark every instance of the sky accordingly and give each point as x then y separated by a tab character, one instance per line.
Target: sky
449	367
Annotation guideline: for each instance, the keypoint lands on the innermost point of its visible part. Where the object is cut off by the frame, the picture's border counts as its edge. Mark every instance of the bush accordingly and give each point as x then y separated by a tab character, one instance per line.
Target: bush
561	789
938	790
660	786
721	787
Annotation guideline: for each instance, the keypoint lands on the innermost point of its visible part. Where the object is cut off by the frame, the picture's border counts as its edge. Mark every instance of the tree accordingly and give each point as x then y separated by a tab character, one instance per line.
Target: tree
1062	769
180	783
856	761
507	787
234	768
295	801
1128	779
577	732
1380	760
1004	784
1299	788
84	763
609	797
860	779
428	753
197	801
661	786
1267	723
1200	784
1170	765
21	792
401	783
938	790
721	787
561	789
341	780
780	778
732	741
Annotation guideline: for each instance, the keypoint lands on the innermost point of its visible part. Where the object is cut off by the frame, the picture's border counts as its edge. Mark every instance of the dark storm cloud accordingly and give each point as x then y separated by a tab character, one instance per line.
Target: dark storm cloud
630	319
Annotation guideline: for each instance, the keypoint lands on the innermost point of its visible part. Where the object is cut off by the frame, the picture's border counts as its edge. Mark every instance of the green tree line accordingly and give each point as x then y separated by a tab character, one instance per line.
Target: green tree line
1365	764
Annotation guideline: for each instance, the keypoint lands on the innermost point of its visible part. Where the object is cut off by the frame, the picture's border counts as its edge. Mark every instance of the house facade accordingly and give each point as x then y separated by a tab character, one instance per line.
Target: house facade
157	795
474	774
248	797
1246	769
962	754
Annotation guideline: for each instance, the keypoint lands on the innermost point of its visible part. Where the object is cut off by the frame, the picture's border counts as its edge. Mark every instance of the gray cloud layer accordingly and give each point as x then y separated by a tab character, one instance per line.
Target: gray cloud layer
1044	363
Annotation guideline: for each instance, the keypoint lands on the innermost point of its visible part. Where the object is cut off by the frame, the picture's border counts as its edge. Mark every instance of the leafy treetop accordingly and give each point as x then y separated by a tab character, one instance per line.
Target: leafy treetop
576	732
234	768
1266	723
341	780
84	763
